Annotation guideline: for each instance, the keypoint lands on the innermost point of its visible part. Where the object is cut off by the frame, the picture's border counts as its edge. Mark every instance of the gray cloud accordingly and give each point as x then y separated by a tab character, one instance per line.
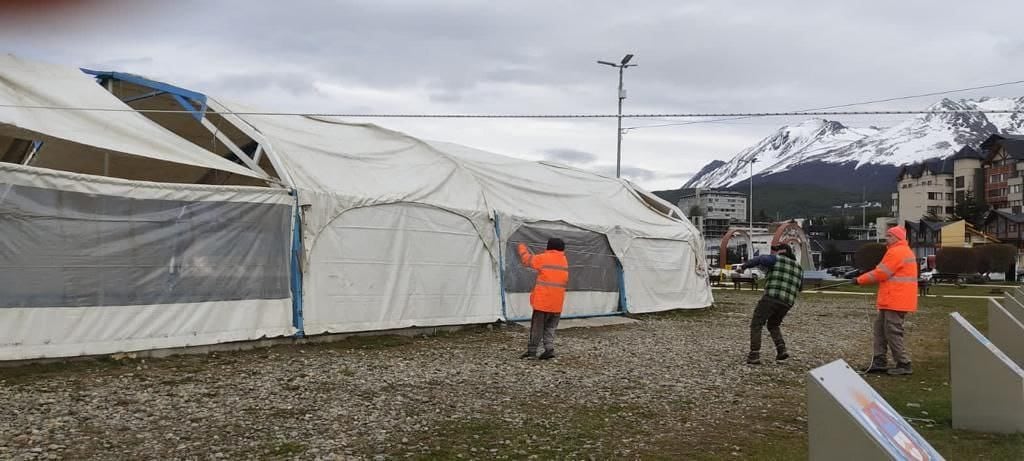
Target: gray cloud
291	82
457	56
570	156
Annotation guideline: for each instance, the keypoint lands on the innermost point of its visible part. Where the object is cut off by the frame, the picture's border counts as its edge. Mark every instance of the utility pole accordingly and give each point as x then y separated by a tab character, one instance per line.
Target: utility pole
750	203
863	207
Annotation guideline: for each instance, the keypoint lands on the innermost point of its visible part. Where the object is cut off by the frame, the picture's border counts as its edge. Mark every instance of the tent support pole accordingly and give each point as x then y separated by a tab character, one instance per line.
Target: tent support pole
296	272
501	265
622	286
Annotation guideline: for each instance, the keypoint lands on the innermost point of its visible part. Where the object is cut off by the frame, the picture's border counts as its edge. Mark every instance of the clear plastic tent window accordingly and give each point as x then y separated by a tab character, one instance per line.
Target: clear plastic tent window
61	248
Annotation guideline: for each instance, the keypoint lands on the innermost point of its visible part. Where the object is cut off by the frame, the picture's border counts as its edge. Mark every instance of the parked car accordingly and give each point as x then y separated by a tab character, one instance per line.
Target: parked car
926	275
757	272
838	271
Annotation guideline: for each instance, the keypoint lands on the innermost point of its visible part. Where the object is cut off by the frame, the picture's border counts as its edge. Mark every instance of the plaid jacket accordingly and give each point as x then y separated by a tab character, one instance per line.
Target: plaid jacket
785	277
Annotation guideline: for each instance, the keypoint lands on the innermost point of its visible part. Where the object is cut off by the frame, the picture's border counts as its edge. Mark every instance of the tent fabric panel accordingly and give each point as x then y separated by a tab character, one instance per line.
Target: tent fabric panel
110	125
72	249
397	266
659	275
44	332
100	185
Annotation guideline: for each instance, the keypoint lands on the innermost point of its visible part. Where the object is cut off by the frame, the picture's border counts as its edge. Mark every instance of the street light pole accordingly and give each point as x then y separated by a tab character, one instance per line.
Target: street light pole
622	65
750	203
618	144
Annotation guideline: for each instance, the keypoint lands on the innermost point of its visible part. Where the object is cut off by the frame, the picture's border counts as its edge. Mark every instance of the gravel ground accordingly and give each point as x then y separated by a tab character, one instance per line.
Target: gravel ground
671	383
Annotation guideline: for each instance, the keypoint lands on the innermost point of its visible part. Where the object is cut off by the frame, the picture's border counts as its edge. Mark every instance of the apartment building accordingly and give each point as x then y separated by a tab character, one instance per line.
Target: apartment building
926	189
1001	167
718	208
968	176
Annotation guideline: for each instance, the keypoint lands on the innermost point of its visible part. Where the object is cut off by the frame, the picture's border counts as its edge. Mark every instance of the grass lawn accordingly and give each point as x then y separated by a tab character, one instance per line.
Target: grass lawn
925	394
929	386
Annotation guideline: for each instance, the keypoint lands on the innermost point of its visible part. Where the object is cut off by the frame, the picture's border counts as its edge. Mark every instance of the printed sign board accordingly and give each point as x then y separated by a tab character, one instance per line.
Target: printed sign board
839	401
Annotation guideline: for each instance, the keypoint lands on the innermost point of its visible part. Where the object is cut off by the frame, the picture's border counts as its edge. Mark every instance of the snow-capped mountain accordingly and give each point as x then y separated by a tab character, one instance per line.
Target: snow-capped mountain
820	141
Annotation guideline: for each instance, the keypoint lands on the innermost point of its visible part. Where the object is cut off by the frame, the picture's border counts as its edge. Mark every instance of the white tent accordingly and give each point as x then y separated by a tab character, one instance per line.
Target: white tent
112	260
394	232
403	232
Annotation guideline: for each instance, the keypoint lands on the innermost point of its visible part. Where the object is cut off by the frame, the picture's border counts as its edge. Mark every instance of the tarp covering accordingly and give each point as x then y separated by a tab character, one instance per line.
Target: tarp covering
338	166
92	265
110	126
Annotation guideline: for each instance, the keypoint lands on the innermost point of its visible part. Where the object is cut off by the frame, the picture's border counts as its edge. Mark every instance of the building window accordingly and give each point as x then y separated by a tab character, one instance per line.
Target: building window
935	196
935	209
949	210
960	181
959	196
949	196
949	182
1012	228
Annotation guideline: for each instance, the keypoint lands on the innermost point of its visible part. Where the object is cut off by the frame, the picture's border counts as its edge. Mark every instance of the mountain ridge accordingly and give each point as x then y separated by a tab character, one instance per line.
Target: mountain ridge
820	141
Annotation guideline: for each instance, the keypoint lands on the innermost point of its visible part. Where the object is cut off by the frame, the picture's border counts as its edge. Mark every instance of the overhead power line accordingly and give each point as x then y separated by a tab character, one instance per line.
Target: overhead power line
839	106
533	116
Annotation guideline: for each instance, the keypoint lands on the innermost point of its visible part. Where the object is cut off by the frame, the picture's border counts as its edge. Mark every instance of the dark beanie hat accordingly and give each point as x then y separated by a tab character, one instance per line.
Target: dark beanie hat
556	244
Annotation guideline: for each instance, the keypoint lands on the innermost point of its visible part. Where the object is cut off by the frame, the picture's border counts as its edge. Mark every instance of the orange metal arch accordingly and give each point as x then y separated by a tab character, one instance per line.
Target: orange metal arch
790	233
723	249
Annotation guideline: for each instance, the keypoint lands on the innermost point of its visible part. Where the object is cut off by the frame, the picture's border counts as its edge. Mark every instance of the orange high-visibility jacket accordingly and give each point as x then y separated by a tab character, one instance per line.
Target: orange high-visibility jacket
548	294
896	276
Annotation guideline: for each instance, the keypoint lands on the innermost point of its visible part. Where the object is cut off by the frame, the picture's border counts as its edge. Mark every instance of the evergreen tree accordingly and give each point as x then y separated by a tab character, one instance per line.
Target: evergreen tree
969	209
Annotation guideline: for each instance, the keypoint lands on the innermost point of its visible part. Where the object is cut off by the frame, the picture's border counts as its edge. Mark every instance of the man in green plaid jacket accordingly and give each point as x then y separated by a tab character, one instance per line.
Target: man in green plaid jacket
784	281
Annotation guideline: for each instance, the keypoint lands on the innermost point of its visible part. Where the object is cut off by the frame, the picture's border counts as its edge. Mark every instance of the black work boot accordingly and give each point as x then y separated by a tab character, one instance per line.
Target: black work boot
754	358
901	369
878	365
782	355
548	354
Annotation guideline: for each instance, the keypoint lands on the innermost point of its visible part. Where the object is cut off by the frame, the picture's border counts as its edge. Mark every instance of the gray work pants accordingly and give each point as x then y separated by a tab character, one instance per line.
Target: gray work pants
889	335
542	327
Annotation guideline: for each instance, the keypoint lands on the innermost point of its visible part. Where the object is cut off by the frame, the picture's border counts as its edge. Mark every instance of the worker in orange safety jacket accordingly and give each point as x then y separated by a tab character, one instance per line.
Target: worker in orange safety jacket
896	276
547	296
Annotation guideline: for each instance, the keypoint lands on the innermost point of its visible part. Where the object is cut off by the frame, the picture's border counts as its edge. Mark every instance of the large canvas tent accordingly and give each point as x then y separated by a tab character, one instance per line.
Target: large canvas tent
397	232
106	245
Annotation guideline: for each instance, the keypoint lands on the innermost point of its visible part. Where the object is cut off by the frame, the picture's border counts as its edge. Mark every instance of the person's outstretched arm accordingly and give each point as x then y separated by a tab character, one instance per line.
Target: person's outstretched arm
765	261
527	258
883	271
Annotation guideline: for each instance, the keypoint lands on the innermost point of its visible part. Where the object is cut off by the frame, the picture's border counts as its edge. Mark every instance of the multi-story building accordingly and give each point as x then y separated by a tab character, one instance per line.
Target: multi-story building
719	209
1002	167
925	190
968	176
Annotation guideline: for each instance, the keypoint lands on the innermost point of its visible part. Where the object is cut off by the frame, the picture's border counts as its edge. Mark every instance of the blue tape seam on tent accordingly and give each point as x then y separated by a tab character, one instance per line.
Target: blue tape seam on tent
501	265
296	274
181	95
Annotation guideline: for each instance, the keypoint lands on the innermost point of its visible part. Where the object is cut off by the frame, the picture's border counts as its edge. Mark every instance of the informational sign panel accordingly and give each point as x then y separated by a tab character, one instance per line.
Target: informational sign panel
987	386
848	420
1014	304
1005	331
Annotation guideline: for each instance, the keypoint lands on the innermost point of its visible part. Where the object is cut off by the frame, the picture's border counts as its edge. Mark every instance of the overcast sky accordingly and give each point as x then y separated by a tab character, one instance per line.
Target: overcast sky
538	57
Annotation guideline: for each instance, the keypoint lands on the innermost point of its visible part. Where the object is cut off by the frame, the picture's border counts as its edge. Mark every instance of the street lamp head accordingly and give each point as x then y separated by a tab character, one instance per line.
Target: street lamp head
608	63
626	59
